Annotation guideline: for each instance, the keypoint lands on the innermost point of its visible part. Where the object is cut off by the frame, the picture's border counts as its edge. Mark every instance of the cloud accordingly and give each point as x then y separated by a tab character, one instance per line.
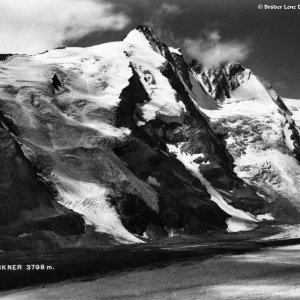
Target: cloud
210	50
31	26
168	8
280	85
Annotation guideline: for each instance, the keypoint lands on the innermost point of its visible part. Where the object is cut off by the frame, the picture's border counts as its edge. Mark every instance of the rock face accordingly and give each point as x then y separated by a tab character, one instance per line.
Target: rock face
127	139
220	81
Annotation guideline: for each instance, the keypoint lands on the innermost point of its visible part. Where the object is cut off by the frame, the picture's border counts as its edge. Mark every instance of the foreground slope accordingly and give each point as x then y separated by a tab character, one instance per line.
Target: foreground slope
271	273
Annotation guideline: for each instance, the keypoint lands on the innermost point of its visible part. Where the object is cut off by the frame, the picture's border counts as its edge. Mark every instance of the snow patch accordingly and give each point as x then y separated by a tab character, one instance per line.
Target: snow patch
145	235
172	232
153	181
260	194
175	50
265	217
24	234
237	225
287	134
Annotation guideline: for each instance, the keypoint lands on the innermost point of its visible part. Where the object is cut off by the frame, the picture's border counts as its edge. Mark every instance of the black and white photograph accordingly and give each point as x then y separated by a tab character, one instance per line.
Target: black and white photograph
149	149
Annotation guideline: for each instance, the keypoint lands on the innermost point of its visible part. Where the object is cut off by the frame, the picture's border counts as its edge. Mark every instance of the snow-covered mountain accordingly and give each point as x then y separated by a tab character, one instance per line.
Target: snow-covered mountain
131	139
261	130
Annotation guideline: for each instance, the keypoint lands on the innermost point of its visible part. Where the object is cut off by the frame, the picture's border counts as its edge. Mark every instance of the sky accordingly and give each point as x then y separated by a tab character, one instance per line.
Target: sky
212	31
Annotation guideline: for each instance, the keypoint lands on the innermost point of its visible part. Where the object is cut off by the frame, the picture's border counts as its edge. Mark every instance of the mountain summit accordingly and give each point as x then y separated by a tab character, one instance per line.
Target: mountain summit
125	142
